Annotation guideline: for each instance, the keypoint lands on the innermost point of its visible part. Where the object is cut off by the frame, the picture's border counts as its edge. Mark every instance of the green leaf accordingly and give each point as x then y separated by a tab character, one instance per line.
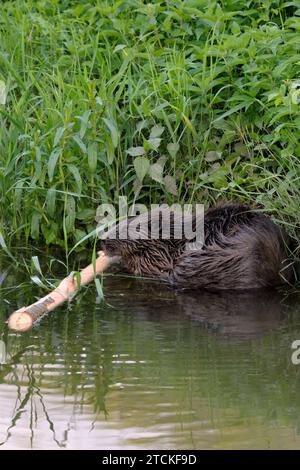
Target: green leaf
58	135
156	131
18	194
4	247
38	153
2	242
35	225
141	125
227	138
162	161
70	214
99	289
113	131
136	151
156	172
36	264
218	178
141	166
3	354
3	93
154	143
233	110
50	232
173	149
84	122
50	201
52	162
77	177
137	186
92	157
79	142
89	235
170	185
86	214
38	281
110	151
37	165
235	28
79	234
119	47
212	156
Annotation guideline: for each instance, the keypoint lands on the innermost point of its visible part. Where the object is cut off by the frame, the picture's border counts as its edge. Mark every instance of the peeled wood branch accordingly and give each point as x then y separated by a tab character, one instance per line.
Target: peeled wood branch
24	318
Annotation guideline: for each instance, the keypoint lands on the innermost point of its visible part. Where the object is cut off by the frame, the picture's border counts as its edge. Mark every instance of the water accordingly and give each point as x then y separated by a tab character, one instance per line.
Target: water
151	369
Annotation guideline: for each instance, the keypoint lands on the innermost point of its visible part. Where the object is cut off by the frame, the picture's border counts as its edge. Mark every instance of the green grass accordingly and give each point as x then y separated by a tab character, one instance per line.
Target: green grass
168	101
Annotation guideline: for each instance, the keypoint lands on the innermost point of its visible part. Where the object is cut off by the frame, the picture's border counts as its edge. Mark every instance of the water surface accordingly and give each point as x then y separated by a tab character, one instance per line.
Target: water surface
150	368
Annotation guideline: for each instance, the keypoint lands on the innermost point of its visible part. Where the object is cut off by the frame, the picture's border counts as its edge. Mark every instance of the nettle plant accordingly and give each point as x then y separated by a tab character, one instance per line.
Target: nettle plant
148	163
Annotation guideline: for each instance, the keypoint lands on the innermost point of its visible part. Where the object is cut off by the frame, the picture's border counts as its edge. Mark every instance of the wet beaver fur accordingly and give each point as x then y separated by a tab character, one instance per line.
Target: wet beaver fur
243	249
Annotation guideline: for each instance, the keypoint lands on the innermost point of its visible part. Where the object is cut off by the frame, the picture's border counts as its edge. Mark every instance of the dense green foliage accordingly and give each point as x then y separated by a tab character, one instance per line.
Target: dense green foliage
191	100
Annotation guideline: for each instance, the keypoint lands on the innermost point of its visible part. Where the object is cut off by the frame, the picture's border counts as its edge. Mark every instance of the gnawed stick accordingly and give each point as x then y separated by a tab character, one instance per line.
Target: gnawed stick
23	319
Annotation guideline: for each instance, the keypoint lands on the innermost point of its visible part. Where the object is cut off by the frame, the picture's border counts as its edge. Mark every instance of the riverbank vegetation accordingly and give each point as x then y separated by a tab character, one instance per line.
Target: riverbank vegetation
165	101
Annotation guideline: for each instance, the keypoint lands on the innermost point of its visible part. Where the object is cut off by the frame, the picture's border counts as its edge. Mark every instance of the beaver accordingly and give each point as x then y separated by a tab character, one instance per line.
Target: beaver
242	249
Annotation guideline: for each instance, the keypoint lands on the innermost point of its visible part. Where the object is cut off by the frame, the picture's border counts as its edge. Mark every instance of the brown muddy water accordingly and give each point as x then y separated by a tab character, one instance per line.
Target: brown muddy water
150	368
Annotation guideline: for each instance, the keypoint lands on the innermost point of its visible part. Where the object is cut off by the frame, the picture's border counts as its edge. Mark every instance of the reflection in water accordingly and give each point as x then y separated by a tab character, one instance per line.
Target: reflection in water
151	368
238	315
